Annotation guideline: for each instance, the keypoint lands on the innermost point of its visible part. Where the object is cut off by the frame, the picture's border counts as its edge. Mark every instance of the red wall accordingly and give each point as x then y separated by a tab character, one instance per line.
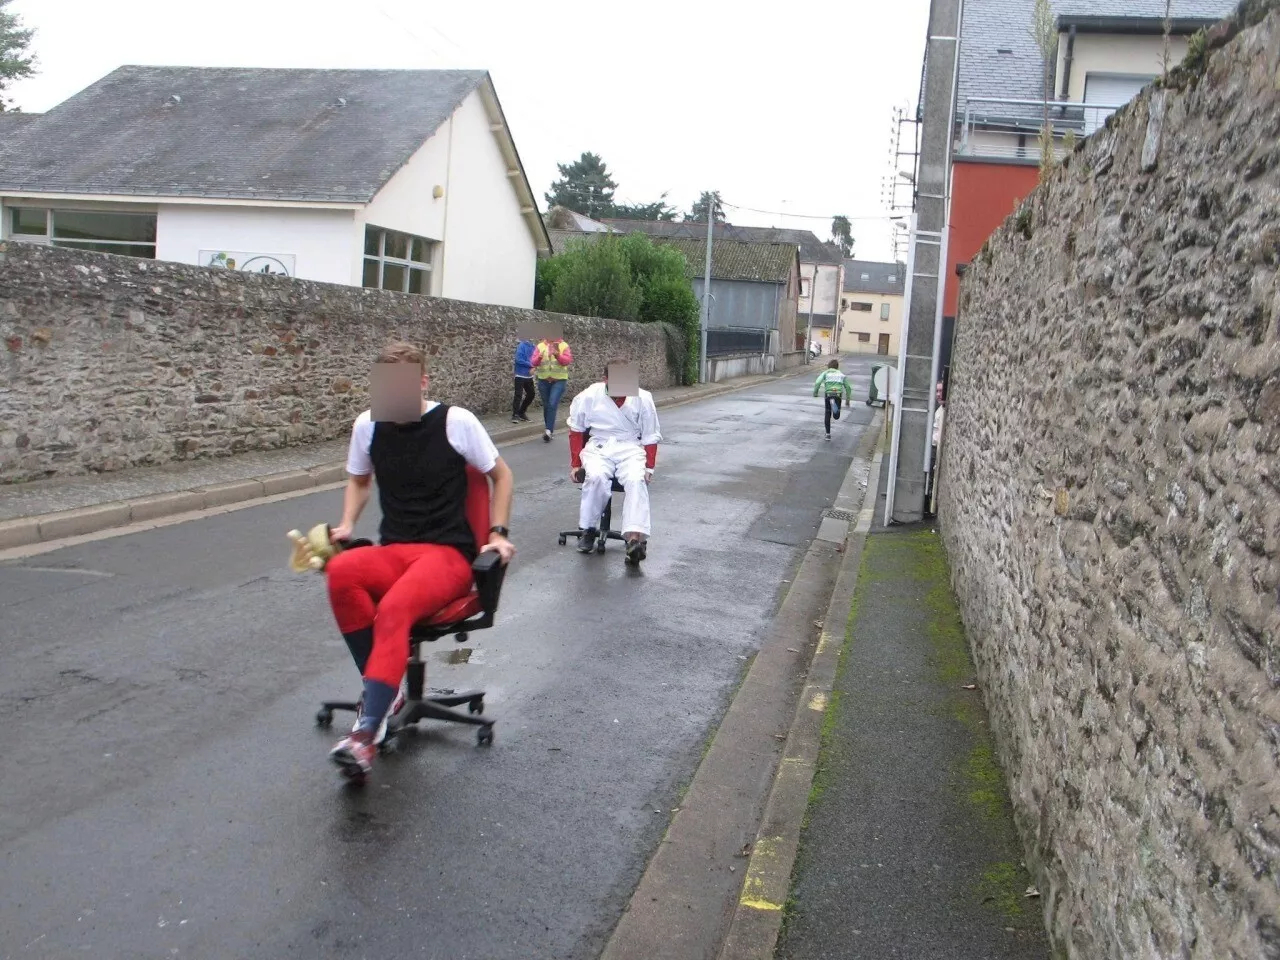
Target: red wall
982	195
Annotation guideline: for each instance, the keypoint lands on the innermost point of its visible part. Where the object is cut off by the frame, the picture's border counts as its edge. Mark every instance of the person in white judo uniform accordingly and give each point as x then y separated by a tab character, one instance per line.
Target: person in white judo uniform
614	433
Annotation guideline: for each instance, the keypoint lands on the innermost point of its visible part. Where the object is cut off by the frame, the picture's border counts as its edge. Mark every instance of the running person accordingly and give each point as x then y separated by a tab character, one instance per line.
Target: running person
834	386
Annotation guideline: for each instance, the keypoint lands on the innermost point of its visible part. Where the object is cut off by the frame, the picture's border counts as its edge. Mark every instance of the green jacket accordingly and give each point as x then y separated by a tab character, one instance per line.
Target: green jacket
833	383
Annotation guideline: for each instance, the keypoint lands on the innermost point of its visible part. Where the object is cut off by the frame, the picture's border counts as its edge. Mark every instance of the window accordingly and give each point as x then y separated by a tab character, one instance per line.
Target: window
866	276
804	287
884	311
844	304
893	278
124	234
396	261
864	338
860	306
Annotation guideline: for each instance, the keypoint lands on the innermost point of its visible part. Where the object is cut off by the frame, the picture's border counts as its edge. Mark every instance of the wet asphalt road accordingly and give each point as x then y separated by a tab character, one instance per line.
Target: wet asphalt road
166	793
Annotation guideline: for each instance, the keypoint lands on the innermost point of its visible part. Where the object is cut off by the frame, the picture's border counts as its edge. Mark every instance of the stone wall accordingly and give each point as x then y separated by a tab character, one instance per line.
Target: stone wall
1110	502
111	362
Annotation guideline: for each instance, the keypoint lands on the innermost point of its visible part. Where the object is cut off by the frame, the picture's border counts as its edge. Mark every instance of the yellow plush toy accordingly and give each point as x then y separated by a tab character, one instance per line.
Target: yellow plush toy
313	551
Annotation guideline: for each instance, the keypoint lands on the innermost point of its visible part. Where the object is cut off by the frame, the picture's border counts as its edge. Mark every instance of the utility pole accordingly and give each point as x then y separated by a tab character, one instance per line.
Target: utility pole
926	272
706	292
813	295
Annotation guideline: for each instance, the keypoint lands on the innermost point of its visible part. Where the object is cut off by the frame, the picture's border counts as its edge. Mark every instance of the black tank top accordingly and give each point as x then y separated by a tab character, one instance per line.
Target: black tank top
422	483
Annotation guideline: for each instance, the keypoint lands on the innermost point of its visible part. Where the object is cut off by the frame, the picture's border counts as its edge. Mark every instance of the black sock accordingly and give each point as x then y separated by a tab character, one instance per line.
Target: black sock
360	643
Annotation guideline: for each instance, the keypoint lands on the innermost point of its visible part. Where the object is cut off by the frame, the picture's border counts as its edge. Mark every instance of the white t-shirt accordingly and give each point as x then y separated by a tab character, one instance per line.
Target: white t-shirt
466	434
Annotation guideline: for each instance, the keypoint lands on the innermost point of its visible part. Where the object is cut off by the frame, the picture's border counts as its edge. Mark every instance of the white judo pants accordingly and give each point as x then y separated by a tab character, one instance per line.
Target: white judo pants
602	461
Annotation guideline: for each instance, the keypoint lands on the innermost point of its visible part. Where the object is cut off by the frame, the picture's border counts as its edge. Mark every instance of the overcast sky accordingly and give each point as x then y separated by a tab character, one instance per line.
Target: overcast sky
780	106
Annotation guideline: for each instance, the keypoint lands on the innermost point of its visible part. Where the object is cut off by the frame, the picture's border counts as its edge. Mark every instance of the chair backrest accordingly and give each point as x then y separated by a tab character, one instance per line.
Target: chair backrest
477	505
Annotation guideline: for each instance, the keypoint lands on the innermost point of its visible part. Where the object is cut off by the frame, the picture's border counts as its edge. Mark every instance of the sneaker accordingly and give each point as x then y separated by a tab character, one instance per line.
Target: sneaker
835	414
514	418
587	542
636	551
396	706
524	419
354	753
546	436
828	436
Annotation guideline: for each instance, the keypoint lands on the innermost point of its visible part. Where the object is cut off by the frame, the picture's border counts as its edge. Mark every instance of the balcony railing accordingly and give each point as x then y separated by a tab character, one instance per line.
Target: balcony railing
1009	129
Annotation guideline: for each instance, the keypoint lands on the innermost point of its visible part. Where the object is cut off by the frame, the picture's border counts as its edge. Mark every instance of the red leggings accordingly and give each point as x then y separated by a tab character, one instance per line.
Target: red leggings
391	588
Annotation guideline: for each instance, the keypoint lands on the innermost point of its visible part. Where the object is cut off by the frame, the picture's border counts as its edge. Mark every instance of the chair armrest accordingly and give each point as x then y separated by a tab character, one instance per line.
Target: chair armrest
489	571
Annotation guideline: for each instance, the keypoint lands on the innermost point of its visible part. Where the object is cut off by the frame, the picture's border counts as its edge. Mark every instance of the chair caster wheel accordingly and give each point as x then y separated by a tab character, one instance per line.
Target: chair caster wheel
484	737
324	718
563	540
475	705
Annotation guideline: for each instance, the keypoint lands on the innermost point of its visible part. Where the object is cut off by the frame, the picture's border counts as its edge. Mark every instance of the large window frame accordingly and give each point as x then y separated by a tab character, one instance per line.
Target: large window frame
396	261
61	229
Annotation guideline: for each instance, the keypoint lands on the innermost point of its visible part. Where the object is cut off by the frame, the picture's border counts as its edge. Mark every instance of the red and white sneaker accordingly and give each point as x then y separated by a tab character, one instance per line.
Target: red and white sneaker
396	706
354	753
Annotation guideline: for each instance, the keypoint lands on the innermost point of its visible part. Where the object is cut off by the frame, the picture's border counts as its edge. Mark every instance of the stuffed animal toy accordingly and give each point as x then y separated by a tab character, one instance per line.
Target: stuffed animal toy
314	550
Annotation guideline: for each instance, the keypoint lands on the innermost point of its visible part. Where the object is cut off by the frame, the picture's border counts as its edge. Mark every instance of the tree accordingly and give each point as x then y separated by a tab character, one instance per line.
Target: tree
595	281
625	278
15	61
658	210
585	186
842	235
698	213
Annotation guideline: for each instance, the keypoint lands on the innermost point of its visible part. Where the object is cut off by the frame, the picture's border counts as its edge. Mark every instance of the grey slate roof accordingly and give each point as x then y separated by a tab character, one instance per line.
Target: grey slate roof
1144	9
878	277
10	123
992	25
736	259
812	250
236	133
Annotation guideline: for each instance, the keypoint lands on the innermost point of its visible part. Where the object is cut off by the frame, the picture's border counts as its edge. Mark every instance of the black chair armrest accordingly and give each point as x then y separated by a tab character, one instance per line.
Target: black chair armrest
489	571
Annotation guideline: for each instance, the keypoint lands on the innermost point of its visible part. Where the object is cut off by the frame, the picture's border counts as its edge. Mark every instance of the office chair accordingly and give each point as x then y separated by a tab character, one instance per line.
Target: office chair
473	611
606	519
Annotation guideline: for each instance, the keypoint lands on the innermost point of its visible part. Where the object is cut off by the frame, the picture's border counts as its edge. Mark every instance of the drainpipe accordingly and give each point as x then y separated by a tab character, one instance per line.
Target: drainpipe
1066	63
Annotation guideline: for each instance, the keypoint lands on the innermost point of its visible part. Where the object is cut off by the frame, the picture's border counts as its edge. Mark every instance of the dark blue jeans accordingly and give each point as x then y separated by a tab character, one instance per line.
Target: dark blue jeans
550	391
832	405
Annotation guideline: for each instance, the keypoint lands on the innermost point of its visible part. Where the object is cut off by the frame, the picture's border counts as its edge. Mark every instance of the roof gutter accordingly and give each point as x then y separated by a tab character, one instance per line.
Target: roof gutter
204	200
1134	25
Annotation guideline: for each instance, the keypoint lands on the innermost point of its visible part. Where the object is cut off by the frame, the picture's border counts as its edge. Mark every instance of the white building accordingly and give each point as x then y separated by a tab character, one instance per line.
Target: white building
406	180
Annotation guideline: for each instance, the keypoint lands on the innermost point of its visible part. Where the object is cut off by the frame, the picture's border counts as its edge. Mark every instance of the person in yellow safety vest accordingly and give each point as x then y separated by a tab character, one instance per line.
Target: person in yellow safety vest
834	386
551	361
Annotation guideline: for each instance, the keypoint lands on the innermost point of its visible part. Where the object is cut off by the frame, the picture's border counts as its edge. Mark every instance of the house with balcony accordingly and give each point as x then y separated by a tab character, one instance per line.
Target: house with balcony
403	180
1106	51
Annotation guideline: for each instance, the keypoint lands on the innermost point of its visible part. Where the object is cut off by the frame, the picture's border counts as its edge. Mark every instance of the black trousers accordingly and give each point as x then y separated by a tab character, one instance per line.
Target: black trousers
522	397
831	403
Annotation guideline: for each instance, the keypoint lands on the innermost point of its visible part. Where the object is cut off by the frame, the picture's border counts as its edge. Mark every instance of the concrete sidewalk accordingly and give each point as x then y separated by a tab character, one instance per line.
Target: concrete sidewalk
48	510
909	848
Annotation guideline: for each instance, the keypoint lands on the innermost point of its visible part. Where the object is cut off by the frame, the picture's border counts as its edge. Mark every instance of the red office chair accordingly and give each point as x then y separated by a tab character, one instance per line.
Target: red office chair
473	611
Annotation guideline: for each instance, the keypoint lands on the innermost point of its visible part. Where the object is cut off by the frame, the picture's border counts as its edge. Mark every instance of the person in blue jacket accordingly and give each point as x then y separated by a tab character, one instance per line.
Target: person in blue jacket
523	395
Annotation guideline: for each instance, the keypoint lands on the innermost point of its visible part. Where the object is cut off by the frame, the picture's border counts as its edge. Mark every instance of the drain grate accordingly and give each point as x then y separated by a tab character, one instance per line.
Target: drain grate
835	514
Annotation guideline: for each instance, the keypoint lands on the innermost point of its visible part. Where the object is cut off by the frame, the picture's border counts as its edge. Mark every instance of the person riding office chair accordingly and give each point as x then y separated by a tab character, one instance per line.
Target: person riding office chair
613	437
